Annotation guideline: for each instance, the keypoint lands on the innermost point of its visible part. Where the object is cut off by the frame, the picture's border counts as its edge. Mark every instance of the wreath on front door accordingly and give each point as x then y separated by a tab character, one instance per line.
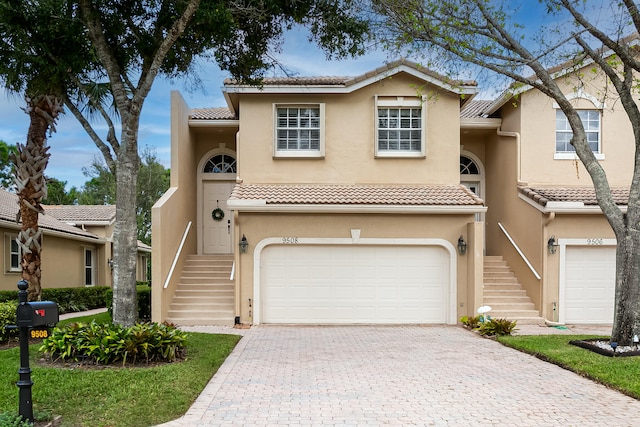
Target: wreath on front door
217	214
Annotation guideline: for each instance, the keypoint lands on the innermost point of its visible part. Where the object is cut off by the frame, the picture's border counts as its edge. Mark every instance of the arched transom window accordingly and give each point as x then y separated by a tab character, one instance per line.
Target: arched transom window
468	166
220	163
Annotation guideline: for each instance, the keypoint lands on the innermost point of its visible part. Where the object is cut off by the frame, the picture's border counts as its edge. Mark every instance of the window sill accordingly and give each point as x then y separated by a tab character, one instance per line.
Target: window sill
298	155
400	155
574	156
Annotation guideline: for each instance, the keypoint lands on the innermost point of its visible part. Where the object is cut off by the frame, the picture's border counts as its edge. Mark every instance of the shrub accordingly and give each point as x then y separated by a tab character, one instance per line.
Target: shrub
13	420
108	343
143	291
497	327
69	300
470	322
7	317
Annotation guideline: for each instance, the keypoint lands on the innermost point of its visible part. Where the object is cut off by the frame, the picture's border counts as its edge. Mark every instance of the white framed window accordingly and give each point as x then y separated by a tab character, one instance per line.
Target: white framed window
591	120
89	266
14	253
400	128
299	130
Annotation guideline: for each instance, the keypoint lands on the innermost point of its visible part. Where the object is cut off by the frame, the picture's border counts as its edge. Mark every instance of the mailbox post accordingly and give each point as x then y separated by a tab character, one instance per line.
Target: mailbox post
29	315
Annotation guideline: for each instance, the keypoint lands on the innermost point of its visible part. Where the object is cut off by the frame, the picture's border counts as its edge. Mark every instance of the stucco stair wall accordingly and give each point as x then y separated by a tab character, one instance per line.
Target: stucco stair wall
505	295
205	294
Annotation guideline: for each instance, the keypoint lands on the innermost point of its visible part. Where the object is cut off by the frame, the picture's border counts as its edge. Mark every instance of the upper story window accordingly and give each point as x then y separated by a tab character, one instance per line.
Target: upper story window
400	127
590	121
299	130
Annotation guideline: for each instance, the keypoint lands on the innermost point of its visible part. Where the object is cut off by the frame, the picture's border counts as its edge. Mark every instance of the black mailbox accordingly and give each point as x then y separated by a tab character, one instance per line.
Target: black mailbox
37	313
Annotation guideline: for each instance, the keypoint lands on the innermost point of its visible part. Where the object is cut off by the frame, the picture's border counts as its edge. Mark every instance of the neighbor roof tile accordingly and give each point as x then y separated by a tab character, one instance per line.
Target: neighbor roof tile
586	195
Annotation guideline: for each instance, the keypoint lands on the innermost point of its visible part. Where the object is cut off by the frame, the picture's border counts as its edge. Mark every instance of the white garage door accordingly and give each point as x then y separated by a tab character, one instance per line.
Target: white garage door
319	284
590	273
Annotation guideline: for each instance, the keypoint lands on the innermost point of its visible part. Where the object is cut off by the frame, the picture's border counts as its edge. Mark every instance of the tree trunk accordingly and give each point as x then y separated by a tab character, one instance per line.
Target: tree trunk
30	164
626	322
125	310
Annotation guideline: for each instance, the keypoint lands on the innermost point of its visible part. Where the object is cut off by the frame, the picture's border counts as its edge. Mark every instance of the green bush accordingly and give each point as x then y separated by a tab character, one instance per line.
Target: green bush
69	300
471	322
108	343
143	291
7	317
497	327
13	420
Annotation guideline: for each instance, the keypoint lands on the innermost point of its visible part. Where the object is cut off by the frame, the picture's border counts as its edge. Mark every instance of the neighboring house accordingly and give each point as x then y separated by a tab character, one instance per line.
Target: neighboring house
76	245
344	200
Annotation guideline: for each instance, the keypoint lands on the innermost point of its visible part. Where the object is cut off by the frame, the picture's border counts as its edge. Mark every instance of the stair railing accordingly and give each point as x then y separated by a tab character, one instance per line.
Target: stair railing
178	252
517	248
233	271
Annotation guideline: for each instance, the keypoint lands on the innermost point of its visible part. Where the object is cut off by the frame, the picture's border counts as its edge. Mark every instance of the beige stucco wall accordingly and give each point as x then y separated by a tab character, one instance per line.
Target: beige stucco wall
173	212
260	226
62	263
349	124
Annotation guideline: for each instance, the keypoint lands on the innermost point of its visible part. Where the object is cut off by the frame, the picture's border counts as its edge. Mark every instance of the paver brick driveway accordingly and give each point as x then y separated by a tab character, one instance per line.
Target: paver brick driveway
397	375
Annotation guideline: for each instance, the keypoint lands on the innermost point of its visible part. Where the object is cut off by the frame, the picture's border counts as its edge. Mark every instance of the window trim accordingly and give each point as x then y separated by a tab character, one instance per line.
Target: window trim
572	155
299	154
93	266
9	238
401	102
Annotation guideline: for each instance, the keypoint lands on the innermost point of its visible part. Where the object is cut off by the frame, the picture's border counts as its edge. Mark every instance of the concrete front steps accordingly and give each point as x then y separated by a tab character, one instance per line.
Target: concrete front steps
504	294
205	294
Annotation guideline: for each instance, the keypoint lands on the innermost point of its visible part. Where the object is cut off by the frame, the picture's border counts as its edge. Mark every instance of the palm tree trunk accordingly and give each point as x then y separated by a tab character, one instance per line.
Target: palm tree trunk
30	164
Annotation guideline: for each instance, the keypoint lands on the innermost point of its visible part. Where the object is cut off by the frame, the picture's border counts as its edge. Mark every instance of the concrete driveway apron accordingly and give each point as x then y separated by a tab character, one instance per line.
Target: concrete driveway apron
396	375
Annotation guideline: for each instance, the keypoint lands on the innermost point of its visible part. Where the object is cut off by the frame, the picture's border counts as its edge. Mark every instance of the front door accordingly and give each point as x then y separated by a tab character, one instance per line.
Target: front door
217	219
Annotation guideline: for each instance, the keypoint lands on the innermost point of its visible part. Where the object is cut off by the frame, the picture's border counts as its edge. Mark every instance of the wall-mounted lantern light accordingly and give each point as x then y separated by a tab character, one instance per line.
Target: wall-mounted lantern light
552	245
462	246
110	263
244	245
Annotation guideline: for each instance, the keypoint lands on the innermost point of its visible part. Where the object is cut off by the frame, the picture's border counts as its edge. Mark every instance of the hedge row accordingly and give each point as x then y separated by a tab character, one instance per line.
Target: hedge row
69	300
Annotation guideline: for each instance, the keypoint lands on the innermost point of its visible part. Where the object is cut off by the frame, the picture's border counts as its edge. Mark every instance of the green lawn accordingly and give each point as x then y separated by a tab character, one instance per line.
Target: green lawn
620	373
116	396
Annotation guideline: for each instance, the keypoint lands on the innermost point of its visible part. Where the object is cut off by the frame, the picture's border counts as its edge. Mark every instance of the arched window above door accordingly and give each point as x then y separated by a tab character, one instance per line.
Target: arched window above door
220	163
468	166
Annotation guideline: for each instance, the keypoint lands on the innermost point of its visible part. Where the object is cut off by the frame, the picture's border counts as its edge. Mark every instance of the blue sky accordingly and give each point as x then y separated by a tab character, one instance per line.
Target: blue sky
72	149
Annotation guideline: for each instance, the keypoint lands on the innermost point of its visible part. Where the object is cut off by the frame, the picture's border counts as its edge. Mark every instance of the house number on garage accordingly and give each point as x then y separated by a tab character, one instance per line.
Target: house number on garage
595	242
289	240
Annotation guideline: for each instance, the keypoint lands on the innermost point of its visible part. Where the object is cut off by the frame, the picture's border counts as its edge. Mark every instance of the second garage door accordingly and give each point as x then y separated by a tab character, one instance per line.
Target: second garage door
589	282
351	284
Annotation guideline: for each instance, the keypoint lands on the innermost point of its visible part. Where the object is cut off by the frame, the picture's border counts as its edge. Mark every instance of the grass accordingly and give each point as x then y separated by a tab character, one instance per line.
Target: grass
620	373
116	396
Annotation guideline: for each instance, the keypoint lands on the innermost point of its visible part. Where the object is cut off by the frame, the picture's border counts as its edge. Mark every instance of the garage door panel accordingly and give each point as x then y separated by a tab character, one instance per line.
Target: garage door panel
354	284
589	284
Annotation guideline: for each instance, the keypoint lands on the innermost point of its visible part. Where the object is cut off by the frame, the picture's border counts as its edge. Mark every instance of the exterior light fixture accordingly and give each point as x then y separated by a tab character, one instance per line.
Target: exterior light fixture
110	263
244	245
462	246
552	245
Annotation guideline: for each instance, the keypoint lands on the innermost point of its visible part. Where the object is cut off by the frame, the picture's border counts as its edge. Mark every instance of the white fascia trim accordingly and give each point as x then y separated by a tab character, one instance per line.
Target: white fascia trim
448	246
261	206
566	207
480	123
306	89
56	233
213	123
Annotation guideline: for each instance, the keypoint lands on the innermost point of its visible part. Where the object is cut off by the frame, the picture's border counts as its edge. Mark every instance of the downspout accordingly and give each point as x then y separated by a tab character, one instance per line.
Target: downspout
238	274
554	304
515	135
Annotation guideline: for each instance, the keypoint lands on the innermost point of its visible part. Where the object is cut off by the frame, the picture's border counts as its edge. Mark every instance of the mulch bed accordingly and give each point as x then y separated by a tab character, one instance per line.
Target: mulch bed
604	348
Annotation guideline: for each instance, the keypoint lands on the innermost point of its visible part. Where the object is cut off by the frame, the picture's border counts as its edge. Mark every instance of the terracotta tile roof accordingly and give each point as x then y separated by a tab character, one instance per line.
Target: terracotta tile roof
82	213
217	113
586	195
9	211
475	109
425	195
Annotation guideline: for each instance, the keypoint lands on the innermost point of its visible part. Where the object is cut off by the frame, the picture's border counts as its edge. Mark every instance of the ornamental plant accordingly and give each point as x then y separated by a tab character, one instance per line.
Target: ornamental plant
104	344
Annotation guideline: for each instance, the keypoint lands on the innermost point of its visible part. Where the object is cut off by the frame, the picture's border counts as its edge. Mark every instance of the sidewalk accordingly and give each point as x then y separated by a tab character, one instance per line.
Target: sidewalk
82	313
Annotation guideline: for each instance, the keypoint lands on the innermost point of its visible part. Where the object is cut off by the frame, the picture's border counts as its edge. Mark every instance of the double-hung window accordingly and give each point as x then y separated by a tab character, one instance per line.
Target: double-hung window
14	258
299	130
590	121
400	128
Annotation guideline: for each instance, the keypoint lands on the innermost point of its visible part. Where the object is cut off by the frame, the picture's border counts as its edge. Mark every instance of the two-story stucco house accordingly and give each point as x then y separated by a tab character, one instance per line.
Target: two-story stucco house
392	197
